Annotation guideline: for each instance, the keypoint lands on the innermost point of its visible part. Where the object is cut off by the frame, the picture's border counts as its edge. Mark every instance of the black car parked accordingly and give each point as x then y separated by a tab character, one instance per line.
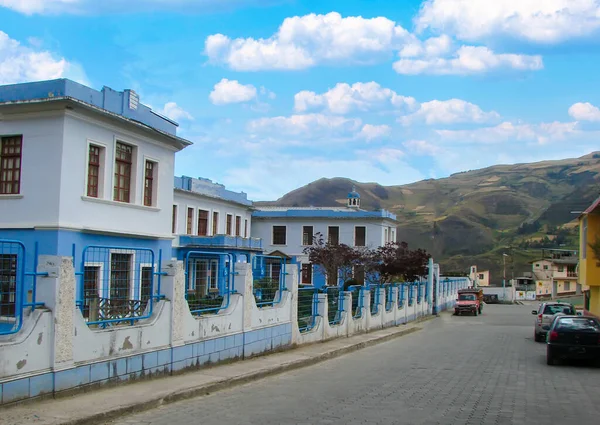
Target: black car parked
573	337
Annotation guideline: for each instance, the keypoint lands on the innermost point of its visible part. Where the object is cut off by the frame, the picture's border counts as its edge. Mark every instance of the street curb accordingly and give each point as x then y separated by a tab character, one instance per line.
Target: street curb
109	415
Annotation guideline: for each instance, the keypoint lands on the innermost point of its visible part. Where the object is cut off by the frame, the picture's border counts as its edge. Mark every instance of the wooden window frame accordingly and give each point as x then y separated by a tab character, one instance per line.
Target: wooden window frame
364	242
307	273
93	171
203	222
149	182
279	227
11	186
122	193
329	235
229	225
174	219
238	225
189	221
215	223
304	233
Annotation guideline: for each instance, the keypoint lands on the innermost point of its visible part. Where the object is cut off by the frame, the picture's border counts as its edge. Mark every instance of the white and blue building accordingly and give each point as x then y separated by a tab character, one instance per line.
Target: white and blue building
211	227
81	168
290	230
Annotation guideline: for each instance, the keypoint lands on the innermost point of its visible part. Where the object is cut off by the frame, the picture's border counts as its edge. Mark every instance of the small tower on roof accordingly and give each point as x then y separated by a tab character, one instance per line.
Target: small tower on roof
354	199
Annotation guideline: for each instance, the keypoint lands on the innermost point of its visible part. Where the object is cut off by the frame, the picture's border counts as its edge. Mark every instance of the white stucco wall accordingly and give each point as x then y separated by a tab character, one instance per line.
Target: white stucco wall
198	202
79	211
37	204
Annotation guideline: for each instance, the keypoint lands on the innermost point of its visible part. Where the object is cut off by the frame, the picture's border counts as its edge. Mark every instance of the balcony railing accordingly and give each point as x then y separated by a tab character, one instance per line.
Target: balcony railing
221	241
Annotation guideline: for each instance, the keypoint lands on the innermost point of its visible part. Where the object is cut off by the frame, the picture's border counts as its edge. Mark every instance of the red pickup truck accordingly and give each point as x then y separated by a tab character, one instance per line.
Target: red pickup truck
470	300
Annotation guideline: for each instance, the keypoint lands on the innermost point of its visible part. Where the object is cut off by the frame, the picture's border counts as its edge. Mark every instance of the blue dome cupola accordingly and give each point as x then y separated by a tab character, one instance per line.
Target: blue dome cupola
354	198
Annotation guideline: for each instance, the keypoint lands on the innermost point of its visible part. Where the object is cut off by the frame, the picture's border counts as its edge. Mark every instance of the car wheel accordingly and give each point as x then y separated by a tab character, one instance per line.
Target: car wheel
475	312
537	337
550	359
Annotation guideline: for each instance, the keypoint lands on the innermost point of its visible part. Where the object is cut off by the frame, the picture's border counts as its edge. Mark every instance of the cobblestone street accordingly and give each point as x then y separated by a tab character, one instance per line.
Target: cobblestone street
458	370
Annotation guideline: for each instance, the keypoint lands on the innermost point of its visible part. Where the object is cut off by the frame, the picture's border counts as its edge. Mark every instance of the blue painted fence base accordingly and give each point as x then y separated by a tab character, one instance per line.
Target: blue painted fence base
148	365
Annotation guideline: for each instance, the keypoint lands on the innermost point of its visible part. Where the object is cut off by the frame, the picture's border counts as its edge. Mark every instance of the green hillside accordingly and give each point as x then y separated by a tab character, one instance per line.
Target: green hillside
473	217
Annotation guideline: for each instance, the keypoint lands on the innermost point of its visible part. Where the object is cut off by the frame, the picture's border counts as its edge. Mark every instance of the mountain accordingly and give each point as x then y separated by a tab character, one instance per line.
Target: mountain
474	217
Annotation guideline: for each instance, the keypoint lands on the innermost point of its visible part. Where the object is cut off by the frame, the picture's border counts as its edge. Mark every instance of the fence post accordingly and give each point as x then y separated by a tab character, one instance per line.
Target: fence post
291	284
57	291
242	283
173	287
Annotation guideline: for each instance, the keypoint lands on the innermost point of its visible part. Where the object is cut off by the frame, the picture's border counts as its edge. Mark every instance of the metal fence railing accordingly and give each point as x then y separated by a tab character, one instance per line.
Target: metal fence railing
308	302
419	292
357	300
389	296
411	293
401	295
209	281
374	298
335	304
118	285
12	282
16	292
269	276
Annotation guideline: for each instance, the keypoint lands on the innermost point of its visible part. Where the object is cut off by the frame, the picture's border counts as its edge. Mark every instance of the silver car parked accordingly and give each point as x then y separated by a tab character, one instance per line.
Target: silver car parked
545	315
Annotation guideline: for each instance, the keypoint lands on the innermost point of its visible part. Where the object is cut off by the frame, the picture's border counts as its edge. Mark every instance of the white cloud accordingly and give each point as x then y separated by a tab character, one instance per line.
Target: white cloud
372	132
469	60
30	7
176	112
304	41
507	132
345	98
540	21
306	126
421	147
231	91
584	112
451	111
19	63
432	47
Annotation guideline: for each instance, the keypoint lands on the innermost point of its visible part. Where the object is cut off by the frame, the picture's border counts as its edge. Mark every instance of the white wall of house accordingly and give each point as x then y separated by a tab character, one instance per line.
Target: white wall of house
375	232
54	176
40	171
81	211
184	200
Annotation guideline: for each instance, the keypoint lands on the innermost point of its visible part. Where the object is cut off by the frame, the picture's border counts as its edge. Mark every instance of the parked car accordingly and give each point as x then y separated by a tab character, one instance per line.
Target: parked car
573	337
491	298
545	315
469	300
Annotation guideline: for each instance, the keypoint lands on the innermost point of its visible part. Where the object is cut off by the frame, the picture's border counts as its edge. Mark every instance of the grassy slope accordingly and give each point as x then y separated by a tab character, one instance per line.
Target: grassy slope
472	217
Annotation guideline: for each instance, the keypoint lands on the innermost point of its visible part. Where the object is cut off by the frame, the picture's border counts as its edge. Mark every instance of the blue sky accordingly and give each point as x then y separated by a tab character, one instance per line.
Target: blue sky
278	93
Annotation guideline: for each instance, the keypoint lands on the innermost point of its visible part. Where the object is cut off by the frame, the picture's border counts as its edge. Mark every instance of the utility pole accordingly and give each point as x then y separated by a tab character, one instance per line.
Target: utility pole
504	277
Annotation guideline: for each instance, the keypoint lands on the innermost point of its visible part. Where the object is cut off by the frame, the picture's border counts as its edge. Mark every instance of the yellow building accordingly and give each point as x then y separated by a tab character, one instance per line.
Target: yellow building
481	278
589	268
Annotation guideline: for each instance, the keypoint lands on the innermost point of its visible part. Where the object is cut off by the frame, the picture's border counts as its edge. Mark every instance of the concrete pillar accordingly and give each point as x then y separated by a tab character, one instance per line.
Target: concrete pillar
243	283
57	292
291	284
346	316
323	311
173	287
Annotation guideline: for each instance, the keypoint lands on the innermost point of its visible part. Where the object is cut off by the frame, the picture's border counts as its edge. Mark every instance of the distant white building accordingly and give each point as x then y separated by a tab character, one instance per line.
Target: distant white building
289	230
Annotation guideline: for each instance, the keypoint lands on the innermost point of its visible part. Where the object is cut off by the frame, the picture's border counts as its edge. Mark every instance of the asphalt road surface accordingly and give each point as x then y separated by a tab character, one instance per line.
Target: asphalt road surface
457	370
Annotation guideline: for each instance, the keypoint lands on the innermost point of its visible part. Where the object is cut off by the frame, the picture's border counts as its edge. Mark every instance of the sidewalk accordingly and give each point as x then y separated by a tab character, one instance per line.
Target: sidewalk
100	406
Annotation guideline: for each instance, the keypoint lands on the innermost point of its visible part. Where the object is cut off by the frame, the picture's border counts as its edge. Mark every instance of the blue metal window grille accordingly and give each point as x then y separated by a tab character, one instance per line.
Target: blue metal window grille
209	281
411	294
118	285
401	295
308	302
357	300
374	298
14	294
269	276
419	292
389	298
335	304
